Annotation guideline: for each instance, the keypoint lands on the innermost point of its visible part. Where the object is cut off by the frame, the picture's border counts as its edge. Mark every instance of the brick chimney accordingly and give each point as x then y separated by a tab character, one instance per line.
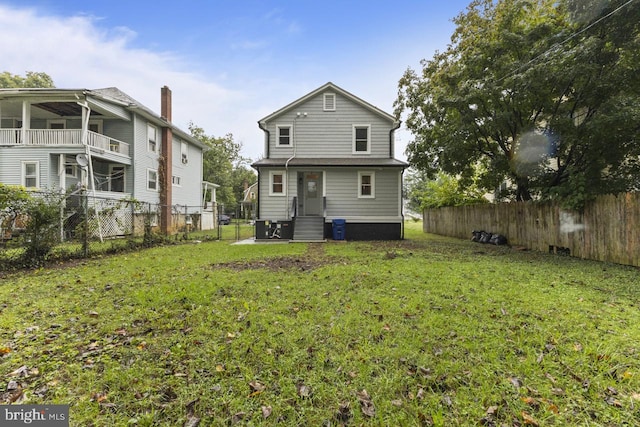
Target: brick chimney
166	162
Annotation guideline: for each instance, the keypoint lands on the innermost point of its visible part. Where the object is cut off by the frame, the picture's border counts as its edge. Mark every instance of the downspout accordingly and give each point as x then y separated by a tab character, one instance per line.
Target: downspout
258	198
86	114
402	204
395	127
268	138
286	166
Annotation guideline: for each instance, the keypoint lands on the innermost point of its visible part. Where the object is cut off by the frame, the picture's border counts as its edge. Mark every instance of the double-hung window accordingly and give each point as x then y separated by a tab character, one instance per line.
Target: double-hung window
284	136
366	185
152	180
361	139
31	174
277	183
152	136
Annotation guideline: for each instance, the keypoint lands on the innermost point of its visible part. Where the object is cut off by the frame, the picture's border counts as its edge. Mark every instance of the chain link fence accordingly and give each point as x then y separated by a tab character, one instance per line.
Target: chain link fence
83	224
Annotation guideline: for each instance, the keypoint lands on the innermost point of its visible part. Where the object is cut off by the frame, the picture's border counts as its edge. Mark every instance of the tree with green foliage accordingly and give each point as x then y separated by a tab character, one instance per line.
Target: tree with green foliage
239	176
537	94
223	165
443	190
32	79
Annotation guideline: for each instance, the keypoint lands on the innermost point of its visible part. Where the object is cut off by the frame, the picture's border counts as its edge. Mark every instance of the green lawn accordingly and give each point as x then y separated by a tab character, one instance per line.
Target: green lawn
426	331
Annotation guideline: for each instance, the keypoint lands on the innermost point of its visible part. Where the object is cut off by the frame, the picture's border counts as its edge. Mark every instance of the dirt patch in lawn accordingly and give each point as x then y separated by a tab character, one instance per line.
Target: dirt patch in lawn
313	258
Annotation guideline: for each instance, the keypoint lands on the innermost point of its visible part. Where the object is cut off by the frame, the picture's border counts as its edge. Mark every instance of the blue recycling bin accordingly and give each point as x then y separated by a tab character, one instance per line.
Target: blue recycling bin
338	228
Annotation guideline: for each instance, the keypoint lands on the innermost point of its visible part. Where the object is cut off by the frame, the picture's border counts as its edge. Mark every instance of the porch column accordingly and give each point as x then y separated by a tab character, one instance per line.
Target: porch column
62	176
26	119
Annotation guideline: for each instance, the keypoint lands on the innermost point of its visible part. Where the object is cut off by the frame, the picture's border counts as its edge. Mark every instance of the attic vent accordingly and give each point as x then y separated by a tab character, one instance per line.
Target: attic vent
329	102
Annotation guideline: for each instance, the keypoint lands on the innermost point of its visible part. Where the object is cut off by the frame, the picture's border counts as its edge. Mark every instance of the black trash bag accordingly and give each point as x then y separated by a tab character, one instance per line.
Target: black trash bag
498	239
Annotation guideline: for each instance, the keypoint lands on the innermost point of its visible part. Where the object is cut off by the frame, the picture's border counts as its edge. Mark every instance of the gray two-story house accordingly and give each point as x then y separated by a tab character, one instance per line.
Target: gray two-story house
103	141
329	164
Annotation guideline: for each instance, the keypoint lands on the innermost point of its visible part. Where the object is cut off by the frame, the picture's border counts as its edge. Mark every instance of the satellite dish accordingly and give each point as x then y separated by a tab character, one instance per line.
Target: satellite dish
82	160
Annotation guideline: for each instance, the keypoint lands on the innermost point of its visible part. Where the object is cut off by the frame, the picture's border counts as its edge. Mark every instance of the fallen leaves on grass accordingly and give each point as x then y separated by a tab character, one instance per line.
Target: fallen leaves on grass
490	416
516	382
366	404
256	388
266	411
529	420
344	414
237	417
192	419
303	390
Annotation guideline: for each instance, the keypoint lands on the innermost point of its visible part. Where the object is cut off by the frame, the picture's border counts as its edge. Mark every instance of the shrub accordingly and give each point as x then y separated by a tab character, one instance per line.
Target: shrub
42	231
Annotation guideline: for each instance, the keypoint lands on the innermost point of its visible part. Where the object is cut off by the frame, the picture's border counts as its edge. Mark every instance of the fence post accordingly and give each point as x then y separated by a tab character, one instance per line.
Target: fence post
85	240
186	226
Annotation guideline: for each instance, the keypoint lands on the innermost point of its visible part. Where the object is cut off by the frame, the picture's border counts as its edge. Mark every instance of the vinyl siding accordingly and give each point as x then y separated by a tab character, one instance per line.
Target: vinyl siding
11	159
143	160
275	207
329	133
120	130
189	193
343	201
341	189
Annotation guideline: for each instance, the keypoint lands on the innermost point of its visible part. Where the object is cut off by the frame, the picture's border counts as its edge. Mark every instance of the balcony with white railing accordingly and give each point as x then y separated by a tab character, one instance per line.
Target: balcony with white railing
62	137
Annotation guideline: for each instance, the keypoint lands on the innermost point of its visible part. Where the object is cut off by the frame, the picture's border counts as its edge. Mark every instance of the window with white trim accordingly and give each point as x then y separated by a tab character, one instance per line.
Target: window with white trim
56	124
329	102
70	167
152	137
361	139
95	126
31	174
277	183
366	185
284	136
176	181
152	179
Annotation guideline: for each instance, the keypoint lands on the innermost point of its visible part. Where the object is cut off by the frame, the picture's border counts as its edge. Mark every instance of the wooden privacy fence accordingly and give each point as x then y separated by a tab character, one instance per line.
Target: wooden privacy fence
607	230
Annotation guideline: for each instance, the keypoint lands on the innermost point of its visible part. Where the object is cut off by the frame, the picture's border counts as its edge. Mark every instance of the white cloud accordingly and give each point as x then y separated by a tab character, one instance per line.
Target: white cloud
221	93
77	53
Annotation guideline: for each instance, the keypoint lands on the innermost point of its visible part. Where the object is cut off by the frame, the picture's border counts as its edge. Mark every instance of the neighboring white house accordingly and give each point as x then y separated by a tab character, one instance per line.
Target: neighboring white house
329	167
102	139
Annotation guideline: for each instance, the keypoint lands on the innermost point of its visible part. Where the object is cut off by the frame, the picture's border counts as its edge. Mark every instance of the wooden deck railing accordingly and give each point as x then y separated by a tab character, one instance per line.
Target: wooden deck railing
60	137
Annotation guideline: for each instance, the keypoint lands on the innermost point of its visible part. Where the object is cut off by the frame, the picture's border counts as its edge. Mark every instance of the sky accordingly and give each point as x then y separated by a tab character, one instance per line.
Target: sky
228	63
